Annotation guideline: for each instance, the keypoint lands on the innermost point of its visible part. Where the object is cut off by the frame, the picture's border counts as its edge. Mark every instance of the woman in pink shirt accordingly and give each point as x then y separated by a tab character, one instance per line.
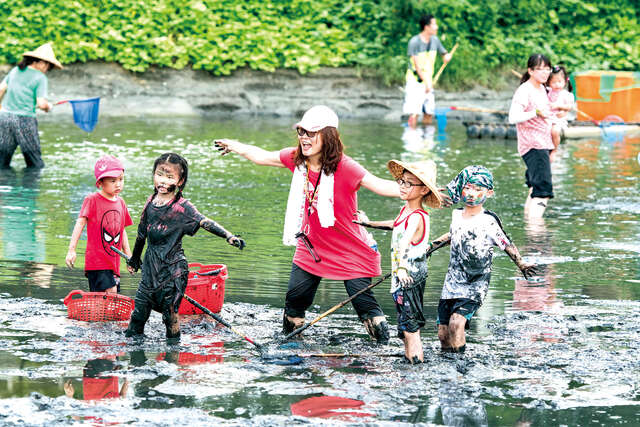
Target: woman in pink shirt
320	208
531	112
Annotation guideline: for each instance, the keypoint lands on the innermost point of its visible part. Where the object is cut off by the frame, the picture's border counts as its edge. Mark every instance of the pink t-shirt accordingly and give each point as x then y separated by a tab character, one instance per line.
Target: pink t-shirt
535	132
106	220
343	247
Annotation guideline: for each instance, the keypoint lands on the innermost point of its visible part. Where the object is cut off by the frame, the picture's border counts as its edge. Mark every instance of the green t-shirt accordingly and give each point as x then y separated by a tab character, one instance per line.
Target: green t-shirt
23	88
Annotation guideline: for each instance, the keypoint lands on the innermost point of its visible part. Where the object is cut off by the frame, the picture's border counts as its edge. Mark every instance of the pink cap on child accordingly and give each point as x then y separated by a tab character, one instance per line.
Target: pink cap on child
107	167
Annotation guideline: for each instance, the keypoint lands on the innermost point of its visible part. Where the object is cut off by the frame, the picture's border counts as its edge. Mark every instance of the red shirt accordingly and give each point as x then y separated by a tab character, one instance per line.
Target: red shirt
106	220
343	247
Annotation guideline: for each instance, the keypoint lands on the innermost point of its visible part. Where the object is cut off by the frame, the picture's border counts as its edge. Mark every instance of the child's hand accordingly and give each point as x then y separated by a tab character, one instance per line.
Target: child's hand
68	388
71	258
361	218
236	241
130	269
528	270
133	264
404	278
446	199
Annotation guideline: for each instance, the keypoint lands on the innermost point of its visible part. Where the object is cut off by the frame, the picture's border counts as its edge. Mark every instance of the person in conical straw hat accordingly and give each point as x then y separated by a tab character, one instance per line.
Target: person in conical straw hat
22	91
409	246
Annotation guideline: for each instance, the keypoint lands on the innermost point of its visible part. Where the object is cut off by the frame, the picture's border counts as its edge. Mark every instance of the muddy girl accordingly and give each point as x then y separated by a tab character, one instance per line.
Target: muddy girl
473	233
166	218
318	219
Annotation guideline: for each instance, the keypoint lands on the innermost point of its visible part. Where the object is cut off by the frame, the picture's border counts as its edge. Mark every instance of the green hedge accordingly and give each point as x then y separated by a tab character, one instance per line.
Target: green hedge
223	35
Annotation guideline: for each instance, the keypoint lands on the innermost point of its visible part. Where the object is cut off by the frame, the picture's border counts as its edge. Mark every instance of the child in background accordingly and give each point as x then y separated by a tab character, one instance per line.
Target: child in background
166	218
106	215
473	233
562	102
409	245
530	112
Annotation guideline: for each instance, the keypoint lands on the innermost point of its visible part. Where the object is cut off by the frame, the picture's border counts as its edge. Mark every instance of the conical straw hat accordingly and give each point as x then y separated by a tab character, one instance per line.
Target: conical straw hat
425	171
45	52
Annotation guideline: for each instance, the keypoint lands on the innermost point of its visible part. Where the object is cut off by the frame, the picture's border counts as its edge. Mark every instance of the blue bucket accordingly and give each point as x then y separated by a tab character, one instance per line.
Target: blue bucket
85	113
441	118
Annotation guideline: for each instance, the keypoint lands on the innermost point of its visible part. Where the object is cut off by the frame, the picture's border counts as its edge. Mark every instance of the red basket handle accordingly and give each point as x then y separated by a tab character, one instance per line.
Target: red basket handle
71	296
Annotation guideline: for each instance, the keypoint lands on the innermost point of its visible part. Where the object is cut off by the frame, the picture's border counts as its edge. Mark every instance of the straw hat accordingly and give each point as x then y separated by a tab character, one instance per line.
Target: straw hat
425	171
45	52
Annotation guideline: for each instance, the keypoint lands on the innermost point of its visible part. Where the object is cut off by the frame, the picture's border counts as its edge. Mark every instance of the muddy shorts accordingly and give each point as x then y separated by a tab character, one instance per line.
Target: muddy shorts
465	307
409	308
101	280
20	131
538	174
163	296
303	286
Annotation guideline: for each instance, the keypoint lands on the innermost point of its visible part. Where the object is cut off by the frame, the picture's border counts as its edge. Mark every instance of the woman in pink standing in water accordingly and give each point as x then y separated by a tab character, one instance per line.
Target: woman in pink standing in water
320	208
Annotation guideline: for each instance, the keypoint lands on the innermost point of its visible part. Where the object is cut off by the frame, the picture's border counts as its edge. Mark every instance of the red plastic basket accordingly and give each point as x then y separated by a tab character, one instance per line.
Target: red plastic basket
98	306
207	290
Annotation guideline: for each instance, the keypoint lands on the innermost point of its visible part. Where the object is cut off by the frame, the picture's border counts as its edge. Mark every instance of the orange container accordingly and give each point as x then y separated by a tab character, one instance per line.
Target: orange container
606	93
98	306
208	290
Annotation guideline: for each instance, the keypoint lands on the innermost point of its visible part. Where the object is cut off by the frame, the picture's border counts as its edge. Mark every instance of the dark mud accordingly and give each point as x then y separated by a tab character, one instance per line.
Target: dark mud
540	362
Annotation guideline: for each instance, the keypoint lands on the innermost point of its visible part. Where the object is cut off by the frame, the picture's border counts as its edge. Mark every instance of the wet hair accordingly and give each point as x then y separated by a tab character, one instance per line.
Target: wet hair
535	60
28	60
175	160
425	20
332	149
557	69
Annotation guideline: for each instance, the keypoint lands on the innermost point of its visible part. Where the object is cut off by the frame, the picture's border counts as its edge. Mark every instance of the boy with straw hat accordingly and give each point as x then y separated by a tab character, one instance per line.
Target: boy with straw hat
22	91
409	245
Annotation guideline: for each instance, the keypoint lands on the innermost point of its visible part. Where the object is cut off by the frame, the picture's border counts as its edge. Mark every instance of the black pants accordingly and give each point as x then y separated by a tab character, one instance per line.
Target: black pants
164	296
303	286
538	173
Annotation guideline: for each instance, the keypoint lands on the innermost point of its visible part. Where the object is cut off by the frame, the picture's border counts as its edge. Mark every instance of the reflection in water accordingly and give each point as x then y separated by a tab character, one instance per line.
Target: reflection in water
96	385
20	238
419	140
334	407
538	293
214	354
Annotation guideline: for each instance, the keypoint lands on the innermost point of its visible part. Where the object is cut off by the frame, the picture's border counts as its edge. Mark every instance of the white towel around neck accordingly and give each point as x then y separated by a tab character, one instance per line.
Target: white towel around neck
296	201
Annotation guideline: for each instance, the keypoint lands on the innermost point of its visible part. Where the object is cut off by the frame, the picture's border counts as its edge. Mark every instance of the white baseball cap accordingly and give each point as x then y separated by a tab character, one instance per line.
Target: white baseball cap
317	118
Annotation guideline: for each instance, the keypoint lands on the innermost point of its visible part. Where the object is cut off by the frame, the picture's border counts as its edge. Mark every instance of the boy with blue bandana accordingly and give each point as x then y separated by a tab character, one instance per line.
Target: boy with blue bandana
473	233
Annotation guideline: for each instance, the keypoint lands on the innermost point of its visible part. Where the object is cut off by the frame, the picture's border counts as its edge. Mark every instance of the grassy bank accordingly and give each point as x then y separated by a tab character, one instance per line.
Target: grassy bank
224	35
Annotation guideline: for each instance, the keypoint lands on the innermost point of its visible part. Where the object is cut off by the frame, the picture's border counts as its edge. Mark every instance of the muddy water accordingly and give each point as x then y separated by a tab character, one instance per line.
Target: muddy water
560	349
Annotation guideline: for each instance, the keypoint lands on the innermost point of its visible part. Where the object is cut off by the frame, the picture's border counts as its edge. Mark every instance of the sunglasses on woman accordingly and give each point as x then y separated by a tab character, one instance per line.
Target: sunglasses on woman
303	132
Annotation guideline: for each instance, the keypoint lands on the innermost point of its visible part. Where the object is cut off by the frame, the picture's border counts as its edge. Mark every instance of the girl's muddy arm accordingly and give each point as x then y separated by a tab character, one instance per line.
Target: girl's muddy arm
133	264
250	152
362	219
81	222
527	269
214	228
440	242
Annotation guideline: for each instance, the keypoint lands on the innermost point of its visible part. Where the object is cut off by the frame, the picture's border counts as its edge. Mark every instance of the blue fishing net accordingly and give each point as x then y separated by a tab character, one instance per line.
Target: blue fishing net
85	113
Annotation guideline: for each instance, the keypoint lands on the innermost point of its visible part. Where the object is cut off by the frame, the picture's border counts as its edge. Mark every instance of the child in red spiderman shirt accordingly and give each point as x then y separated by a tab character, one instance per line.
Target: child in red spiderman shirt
106	215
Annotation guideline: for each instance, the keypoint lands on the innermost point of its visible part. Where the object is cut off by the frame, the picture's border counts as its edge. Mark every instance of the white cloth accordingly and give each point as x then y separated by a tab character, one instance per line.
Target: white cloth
296	201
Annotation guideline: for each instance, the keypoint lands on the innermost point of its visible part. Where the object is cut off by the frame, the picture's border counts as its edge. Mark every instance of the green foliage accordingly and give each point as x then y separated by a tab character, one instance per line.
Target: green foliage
224	35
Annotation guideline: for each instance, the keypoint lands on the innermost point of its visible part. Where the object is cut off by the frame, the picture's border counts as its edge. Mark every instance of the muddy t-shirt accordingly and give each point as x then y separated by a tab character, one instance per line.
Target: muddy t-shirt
164	227
472	242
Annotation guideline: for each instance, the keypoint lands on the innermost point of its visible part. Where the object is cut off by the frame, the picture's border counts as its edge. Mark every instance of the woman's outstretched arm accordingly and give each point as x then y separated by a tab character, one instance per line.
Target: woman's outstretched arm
252	153
383	187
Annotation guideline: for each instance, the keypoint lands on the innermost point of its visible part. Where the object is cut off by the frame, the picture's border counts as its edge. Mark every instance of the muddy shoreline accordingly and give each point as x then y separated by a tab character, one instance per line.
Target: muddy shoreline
284	93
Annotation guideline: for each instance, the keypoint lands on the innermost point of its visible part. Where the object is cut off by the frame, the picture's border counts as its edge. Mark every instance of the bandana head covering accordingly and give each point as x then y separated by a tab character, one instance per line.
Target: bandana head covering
478	175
